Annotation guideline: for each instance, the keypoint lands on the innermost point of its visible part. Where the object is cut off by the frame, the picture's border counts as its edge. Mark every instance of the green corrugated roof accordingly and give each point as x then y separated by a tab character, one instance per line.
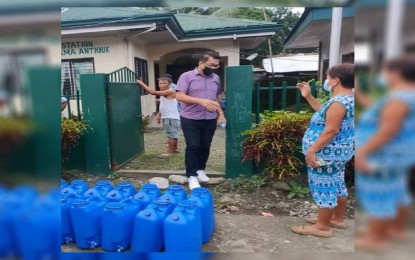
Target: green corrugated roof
185	25
79	14
192	23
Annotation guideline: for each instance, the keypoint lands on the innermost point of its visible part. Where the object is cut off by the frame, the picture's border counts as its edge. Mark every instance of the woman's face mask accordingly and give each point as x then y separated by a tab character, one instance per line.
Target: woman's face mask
381	81
326	86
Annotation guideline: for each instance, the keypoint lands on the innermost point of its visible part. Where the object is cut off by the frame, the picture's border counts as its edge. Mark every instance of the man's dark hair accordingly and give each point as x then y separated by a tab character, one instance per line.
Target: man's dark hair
404	65
205	56
344	72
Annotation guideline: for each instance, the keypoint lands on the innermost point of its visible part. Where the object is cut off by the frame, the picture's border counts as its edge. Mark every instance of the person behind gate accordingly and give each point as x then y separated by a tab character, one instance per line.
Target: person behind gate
198	92
169	114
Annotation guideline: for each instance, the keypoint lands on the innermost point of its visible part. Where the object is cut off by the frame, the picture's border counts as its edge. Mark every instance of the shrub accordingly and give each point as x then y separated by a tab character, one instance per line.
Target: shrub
72	130
276	142
13	133
297	190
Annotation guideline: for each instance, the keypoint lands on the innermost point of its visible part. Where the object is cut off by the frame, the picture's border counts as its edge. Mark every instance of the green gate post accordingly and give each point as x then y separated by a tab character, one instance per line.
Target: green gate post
258	102
94	107
271	96
44	89
297	100
284	95
239	115
313	88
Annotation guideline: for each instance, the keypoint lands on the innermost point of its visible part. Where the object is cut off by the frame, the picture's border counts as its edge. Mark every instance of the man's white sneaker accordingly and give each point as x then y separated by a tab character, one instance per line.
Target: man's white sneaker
201	175
193	182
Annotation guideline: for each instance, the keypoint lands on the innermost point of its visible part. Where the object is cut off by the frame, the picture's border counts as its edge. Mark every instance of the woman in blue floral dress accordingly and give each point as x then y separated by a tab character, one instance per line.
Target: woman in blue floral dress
328	145
385	145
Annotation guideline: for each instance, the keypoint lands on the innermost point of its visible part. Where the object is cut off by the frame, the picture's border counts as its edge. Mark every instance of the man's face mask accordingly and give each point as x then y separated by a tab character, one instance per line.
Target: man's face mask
208	71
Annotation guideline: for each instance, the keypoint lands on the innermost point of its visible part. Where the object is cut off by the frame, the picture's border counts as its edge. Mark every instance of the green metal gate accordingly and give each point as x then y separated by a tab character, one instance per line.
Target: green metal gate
111	106
125	118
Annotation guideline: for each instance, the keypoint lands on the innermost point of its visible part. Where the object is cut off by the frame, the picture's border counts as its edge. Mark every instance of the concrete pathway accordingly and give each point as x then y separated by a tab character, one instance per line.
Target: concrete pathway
245	233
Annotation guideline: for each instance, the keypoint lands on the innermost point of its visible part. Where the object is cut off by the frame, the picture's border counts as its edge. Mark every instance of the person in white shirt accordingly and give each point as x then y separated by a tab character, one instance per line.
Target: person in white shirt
169	114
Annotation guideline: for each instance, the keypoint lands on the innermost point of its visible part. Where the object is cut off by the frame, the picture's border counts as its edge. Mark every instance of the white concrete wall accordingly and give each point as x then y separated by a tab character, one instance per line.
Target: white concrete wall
122	53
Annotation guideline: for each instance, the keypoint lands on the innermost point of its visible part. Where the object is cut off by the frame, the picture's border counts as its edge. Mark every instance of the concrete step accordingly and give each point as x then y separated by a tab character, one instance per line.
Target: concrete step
161	173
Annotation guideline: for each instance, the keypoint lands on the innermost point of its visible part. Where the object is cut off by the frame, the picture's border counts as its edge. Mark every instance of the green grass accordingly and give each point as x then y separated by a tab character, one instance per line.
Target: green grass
154	145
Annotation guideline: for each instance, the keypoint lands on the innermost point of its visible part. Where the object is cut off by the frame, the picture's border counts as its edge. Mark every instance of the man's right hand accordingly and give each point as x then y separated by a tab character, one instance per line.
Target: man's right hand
210	105
305	89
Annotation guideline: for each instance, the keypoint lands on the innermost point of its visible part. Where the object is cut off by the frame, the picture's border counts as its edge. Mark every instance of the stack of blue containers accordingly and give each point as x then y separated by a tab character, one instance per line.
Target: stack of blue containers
28	219
120	218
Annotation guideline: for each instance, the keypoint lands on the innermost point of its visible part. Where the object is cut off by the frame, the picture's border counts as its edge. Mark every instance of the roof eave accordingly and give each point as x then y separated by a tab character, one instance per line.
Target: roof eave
309	16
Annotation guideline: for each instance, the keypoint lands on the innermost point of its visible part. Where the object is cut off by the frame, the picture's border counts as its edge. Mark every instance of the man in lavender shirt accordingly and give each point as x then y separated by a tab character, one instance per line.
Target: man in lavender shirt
198	92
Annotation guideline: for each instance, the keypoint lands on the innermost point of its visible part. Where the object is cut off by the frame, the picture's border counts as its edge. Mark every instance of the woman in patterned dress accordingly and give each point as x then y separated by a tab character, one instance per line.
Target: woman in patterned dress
385	144
328	146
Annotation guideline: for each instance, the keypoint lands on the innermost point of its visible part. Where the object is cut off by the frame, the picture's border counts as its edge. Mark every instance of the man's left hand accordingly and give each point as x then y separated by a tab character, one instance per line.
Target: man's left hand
222	118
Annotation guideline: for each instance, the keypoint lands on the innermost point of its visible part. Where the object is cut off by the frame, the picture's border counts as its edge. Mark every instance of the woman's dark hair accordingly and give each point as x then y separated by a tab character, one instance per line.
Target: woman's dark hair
404	65
344	72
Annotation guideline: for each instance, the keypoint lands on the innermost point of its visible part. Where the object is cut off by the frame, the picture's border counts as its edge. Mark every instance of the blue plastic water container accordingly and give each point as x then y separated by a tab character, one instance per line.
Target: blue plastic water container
147	194
67	230
64	184
206	204
13	203
99	191
127	188
75	190
86	218
9	205
185	220
123	256
117	223
35	227
123	191
80	256
174	194
148	234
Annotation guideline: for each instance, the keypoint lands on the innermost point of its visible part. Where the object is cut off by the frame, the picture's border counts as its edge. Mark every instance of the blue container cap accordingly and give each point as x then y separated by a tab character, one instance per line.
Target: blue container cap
112	194
146	213
139	196
114	206
163	201
149	186
78	182
103	183
200	190
188	203
124	184
80	203
175	187
175	217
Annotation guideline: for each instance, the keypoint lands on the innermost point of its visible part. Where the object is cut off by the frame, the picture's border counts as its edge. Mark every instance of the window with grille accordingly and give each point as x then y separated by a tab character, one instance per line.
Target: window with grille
141	72
348	58
70	74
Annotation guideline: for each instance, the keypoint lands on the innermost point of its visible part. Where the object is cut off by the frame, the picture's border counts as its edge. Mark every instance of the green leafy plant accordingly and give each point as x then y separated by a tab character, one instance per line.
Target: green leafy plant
248	183
145	122
72	130
13	133
275	142
297	190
